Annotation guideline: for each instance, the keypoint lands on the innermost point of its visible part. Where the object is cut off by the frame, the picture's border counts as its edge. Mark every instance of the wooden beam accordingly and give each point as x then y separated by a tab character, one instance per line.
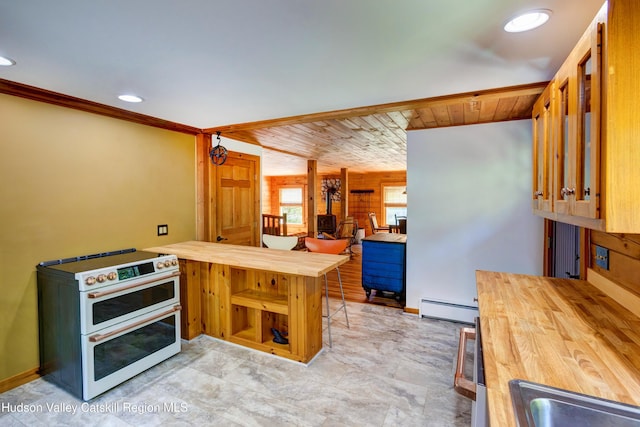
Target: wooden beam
312	204
478	96
203	194
344	192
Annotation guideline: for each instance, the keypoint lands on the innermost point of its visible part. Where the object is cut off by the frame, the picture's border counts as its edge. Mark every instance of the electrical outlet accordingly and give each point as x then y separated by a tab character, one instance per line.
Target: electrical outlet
602	257
163	230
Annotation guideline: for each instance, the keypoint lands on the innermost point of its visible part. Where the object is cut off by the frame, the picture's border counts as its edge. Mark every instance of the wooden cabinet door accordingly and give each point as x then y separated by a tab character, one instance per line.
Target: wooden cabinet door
543	150
588	71
564	125
577	123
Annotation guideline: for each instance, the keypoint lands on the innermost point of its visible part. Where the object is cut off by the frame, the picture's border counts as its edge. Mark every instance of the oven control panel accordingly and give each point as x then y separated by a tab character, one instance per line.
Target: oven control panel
106	276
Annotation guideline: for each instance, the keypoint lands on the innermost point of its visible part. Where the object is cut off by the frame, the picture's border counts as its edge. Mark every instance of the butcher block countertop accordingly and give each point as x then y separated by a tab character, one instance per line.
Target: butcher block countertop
559	332
280	261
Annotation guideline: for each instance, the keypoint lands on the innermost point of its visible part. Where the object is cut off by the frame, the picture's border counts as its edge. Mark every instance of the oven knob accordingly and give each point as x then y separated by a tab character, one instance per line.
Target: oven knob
101	278
160	264
112	275
90	280
174	262
167	263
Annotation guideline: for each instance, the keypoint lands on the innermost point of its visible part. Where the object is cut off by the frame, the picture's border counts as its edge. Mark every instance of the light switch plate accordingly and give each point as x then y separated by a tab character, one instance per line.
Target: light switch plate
602	257
163	230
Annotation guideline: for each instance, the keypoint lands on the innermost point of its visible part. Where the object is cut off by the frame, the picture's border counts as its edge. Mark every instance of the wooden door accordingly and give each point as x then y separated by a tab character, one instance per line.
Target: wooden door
228	197
237	200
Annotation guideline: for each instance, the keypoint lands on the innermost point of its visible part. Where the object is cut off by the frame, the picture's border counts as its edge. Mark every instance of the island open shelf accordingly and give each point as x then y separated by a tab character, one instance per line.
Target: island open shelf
262	301
239	293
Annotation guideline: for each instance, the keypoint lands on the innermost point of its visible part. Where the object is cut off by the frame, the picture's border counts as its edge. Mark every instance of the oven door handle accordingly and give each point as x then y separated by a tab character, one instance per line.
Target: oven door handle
102	337
463	385
99	294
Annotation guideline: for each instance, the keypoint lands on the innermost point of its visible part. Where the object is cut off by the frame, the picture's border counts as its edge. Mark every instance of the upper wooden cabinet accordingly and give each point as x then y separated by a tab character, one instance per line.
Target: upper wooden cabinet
593	137
577	95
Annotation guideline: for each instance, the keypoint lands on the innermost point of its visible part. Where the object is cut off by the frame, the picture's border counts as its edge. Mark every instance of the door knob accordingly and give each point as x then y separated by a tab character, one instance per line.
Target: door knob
220	238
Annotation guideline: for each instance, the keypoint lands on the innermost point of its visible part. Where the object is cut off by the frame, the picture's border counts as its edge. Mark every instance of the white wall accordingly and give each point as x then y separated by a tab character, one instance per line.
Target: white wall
469	208
238	146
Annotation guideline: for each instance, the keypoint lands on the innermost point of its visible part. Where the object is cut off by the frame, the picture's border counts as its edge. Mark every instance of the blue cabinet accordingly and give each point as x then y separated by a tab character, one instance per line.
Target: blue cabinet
384	264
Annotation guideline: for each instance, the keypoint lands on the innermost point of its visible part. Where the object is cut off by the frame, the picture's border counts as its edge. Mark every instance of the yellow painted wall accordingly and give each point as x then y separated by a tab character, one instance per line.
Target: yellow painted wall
74	183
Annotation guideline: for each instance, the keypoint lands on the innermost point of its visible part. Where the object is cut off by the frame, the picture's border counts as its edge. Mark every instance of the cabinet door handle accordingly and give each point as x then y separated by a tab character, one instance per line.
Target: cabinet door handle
567	191
537	193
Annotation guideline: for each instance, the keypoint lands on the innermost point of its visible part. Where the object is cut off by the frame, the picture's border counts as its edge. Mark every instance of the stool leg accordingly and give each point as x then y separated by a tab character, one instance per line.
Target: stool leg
344	304
326	296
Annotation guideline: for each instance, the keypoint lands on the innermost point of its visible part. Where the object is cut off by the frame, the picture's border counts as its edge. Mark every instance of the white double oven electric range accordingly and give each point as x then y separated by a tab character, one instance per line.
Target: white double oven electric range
107	317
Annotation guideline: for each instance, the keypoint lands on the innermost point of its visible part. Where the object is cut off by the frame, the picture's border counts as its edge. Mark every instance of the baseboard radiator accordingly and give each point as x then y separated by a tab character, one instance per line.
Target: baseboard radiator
448	311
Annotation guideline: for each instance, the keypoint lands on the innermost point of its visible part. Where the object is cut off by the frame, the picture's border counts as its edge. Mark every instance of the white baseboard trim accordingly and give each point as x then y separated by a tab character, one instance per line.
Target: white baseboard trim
448	311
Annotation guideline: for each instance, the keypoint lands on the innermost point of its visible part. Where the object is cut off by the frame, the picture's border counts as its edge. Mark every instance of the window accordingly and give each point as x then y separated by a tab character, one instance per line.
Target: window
395	202
292	203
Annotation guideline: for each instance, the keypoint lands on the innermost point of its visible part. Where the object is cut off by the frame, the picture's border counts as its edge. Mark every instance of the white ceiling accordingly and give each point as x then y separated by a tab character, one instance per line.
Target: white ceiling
208	63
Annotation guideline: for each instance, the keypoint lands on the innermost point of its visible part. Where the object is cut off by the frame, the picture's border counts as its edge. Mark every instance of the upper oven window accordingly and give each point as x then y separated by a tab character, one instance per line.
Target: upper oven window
114	307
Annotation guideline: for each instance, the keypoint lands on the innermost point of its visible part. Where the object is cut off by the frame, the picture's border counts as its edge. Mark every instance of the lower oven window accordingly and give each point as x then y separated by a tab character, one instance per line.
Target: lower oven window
131	302
117	353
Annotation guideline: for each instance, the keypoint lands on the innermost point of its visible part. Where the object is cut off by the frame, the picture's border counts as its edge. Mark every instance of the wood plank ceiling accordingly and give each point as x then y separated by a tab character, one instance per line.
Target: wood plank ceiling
374	138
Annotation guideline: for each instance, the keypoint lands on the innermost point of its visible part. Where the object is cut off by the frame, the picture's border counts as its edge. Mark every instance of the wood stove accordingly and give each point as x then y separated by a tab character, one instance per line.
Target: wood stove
327	223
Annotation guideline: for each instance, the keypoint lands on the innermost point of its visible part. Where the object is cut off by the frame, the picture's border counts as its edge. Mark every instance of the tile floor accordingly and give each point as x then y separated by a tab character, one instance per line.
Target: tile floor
389	369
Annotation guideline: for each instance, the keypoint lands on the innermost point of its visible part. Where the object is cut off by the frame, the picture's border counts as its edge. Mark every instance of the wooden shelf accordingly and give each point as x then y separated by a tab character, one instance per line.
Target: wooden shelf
262	301
246	334
250	333
245	338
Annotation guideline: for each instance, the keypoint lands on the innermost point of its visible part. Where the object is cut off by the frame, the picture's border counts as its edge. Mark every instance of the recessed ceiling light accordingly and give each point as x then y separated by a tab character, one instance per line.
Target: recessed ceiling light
130	98
6	62
527	21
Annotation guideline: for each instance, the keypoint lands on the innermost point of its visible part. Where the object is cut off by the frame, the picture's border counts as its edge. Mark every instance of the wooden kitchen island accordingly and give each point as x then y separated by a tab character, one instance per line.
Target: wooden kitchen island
564	333
238	293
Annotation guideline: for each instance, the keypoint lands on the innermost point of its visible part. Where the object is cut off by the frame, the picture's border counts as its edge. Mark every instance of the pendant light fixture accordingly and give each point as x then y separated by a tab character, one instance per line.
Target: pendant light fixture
218	153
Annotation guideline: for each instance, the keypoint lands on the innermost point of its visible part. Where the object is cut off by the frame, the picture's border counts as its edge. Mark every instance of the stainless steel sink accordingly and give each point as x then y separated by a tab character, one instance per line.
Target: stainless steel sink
543	406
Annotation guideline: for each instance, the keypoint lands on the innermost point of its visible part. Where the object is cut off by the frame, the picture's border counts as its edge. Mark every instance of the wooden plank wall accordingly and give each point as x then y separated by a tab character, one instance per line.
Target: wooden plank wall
372	181
266	196
357	181
271	196
624	258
